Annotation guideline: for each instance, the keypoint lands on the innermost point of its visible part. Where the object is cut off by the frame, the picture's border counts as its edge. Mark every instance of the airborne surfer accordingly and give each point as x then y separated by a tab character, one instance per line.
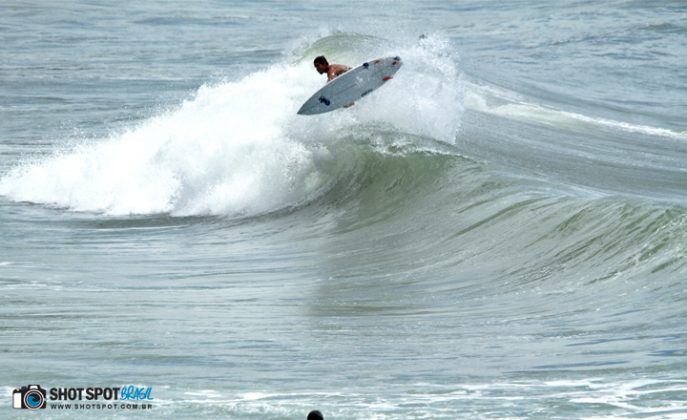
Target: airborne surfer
322	66
346	85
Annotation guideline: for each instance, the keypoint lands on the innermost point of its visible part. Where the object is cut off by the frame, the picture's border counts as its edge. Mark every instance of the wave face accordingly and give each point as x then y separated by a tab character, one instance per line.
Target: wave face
237	148
460	241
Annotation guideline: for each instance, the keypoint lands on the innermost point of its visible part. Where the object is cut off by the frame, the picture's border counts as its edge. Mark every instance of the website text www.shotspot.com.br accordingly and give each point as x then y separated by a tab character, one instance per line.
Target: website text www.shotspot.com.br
127	397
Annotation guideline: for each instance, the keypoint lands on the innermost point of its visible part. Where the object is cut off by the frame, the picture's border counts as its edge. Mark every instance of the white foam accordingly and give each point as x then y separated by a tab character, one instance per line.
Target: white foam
225	151
252	396
515	107
236	148
617	398
426	96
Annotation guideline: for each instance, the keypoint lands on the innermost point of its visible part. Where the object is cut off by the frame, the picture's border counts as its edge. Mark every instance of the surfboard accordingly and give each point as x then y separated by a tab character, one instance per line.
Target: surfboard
351	86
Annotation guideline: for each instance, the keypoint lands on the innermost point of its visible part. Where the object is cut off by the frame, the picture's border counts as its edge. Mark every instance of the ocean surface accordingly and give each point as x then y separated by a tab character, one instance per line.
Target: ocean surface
499	232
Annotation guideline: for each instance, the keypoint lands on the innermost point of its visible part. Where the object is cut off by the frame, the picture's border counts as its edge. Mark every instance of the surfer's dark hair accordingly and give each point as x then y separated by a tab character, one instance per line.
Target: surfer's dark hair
321	60
315	414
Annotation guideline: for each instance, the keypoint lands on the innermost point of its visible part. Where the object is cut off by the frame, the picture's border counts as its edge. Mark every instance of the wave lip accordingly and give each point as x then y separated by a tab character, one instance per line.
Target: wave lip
511	105
238	148
225	151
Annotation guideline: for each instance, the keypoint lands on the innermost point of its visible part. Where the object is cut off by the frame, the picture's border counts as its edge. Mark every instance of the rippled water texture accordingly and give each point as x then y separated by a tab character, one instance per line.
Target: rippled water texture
499	232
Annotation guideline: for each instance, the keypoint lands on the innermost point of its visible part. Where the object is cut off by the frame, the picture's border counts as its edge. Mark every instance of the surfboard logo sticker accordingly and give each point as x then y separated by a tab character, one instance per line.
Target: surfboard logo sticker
324	100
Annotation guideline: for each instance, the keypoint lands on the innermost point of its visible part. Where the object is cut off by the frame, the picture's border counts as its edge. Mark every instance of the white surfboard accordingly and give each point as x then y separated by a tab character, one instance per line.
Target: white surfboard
351	86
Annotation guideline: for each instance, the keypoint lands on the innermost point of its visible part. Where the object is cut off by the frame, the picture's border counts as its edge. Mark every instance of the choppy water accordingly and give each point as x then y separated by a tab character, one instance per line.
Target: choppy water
499	233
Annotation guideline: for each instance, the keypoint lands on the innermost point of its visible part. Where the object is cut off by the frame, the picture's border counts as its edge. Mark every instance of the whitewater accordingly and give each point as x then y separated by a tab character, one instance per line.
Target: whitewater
499	233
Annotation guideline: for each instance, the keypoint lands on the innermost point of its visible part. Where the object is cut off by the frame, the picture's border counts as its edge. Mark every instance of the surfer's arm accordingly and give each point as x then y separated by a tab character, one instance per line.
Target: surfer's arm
331	74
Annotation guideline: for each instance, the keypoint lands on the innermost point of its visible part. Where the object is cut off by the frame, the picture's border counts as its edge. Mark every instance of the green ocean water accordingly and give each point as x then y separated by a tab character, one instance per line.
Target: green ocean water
499	232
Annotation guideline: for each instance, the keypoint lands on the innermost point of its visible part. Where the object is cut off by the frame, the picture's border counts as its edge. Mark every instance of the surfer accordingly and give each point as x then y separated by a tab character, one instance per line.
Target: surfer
322	66
332	70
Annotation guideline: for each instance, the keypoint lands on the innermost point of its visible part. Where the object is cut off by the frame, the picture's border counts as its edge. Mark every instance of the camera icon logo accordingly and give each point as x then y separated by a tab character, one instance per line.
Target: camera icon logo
30	397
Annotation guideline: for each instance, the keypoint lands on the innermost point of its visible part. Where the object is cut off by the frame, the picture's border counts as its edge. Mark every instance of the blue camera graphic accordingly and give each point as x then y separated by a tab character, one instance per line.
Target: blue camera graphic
30	397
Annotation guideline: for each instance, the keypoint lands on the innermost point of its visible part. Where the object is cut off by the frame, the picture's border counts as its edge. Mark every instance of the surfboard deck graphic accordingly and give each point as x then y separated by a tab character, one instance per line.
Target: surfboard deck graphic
351	86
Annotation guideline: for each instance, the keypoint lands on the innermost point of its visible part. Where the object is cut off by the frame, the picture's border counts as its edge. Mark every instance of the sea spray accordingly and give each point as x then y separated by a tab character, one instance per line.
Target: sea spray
238	148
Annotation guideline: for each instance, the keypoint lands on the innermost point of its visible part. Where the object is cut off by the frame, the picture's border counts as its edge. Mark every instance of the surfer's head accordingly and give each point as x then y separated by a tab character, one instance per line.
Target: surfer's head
321	64
315	415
